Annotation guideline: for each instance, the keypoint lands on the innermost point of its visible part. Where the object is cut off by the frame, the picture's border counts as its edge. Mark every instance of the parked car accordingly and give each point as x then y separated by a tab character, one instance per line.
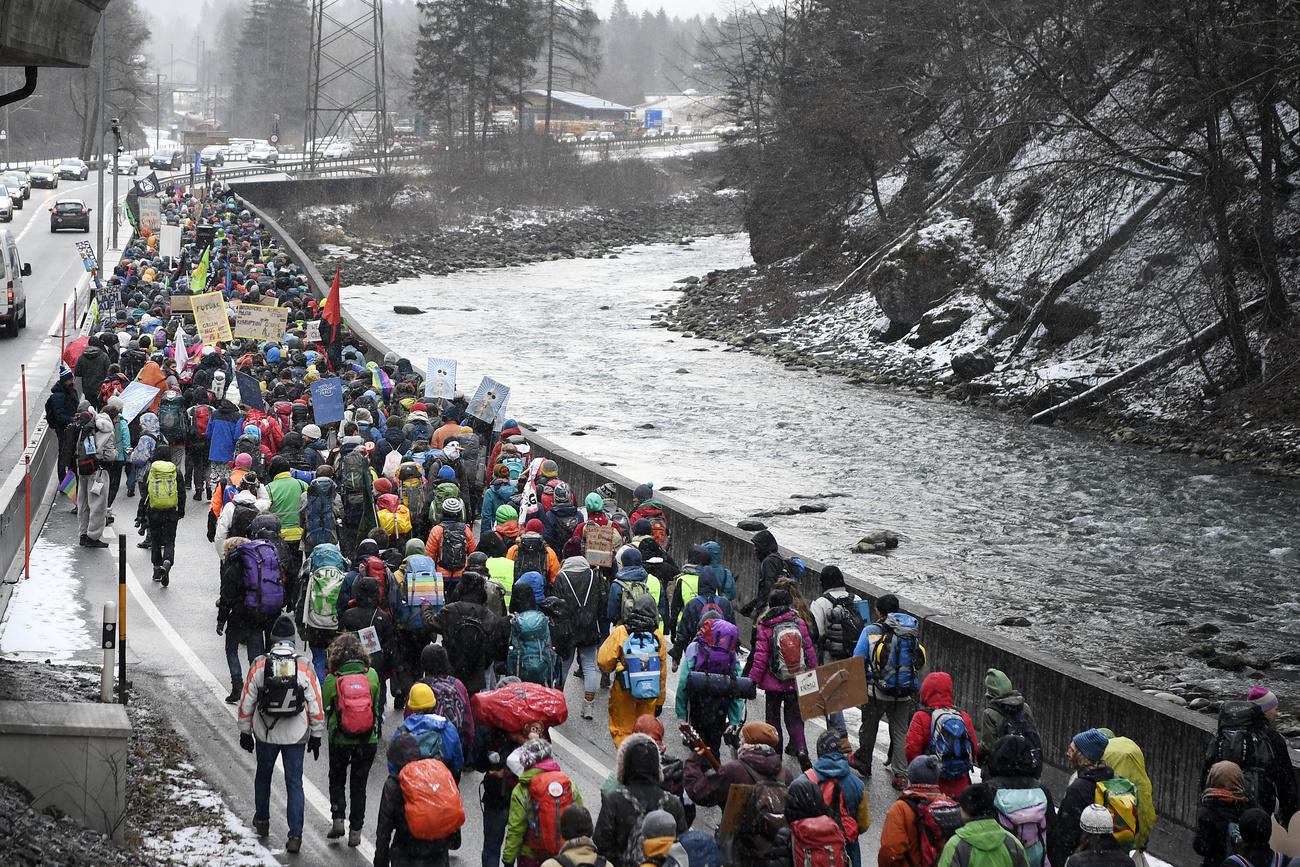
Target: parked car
652	132
605	136
213	155
44	176
169	158
591	135
14	190
13	300
69	214
264	153
24	182
339	150
6	208
567	138
237	151
73	170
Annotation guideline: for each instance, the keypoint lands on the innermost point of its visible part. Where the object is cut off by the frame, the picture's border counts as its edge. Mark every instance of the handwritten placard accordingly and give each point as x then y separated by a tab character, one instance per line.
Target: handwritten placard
210	317
261	322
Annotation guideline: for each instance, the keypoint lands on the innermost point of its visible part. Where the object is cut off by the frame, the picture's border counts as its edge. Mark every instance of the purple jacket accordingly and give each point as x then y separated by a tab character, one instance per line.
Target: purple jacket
763	650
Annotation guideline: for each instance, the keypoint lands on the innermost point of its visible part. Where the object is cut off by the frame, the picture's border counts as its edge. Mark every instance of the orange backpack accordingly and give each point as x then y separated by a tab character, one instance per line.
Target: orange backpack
434	809
659	530
550	792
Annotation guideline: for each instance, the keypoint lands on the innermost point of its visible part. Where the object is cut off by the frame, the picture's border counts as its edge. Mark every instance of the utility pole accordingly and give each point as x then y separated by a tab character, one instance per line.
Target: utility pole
99	224
5	131
157	111
117	151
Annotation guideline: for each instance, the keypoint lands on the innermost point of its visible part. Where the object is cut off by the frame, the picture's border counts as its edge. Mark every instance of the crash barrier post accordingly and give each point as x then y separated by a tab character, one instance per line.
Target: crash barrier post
109	642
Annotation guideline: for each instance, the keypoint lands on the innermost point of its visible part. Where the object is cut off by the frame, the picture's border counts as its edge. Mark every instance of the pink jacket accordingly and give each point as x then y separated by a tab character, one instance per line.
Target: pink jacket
763	650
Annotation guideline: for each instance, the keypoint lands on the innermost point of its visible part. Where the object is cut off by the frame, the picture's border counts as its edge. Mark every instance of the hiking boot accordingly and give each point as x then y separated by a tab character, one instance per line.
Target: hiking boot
604	680
336	829
262	827
292	845
354	837
198	496
130	492
92	542
166	577
144	543
861	763
109	521
588	709
157	573
790	750
235	691
83	540
805	763
900	782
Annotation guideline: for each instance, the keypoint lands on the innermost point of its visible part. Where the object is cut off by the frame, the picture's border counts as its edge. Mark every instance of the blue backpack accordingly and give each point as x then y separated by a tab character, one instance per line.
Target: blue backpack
898	657
531	657
1023	812
319	526
424	586
694	849
437	737
640	673
950	743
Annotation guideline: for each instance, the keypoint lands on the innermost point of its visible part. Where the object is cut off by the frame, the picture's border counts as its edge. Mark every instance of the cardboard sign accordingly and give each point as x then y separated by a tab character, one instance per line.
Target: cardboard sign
441	379
370	639
109	297
834	686
488	400
601	543
327	400
250	391
734	811
151	215
170	242
312	330
135	397
261	322
210	317
182	304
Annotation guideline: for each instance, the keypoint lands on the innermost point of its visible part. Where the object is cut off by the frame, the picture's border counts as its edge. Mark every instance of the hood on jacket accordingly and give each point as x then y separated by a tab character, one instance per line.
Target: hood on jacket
644	616
632	573
327	554
1010	757
699	556
997	685
402	750
149	424
245	496
231	543
803	800
576	566
764	543
708	583
92	351
225	410
534	580
832	765
292	442
367	592
393	436
715	554
638	760
986	835
936	690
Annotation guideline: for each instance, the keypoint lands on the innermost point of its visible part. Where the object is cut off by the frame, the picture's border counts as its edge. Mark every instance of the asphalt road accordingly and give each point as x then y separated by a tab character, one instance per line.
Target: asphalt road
175	653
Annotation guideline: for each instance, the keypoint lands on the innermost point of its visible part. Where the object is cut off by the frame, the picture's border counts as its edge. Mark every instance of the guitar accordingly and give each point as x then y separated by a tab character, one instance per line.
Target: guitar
692	739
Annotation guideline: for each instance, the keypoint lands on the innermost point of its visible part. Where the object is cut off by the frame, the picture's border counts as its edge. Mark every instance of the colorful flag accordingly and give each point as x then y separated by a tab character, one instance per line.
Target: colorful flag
69	486
381	382
332	313
199	279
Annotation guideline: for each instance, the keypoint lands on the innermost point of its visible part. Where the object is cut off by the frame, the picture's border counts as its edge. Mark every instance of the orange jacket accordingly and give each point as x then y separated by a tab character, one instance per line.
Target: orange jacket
900	845
552	561
433	547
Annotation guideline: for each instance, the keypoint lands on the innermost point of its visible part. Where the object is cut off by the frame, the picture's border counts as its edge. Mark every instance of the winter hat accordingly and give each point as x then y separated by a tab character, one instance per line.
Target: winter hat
759	733
447	473
658	823
114	406
594	503
832	577
534	751
279	464
829	742
283	628
575	822
1091	743
311	433
421	698
997	684
642	527
630	557
887	604
505	513
643	492
383	486
451	413
1262	696
417	415
977	801
646	724
419	407
534	525
549	469
924	770
1256	827
1096	819
65	372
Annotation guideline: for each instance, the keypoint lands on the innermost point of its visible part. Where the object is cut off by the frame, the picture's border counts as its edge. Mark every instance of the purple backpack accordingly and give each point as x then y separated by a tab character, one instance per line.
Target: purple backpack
715	648
263	582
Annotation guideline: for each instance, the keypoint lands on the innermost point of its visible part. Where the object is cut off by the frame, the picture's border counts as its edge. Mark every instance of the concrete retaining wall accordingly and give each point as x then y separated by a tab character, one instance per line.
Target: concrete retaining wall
294	195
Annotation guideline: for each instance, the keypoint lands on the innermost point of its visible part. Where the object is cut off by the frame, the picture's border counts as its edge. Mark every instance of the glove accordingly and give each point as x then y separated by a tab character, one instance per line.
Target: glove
677	664
659	709
221	629
313	747
732	736
246	741
212	535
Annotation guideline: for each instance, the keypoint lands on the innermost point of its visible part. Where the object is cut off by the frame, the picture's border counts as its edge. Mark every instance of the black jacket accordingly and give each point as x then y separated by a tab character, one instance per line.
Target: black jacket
1063	837
394	842
91	369
447	623
639	793
1217	811
61	405
578	585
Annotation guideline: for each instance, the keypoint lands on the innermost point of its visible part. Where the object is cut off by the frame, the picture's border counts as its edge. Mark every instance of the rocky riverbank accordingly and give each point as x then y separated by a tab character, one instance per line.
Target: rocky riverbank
799	320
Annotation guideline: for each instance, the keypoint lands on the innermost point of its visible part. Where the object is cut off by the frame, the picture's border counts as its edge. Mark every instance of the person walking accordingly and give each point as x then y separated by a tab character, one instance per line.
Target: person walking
281	717
894	658
60	409
353	710
981	841
161	508
782	650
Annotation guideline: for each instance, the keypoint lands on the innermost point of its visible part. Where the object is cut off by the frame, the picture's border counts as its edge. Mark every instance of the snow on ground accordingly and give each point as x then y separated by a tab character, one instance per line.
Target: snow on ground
220	839
45	620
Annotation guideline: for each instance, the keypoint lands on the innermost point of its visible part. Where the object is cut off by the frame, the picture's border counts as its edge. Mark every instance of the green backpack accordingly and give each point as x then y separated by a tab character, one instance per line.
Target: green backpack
163	493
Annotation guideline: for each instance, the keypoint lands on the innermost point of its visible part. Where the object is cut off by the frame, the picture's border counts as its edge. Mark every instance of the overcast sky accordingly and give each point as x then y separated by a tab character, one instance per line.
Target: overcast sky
679	8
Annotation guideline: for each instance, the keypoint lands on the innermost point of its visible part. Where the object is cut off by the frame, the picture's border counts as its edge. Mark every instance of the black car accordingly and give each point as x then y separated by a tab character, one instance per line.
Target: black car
167	158
44	176
69	214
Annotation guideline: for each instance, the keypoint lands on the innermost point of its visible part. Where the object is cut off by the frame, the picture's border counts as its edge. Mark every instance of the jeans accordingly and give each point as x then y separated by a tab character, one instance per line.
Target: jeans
360	757
899	714
318	663
494	833
291	755
235	636
586	657
789	702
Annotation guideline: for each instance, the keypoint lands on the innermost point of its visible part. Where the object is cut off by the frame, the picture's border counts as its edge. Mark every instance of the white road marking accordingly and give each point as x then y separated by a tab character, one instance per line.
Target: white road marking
313	795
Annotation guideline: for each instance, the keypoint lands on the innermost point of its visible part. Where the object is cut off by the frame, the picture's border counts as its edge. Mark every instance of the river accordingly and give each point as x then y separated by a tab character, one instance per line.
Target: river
1098	545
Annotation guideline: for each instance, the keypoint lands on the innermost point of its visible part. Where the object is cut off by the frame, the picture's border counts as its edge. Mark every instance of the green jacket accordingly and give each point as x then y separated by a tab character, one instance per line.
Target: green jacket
735	711
331	698
286	495
987	846
517	825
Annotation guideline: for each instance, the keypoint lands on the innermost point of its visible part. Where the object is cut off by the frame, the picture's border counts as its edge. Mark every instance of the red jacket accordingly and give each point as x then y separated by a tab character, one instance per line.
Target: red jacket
936	694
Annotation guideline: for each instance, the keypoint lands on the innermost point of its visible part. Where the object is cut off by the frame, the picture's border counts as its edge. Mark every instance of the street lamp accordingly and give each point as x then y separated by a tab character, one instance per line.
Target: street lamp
157	110
4	137
117	152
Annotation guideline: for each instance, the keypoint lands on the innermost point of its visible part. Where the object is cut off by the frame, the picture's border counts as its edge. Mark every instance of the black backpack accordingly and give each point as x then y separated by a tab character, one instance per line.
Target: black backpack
465	644
844	625
354	480
763	818
87	448
1016	722
531	556
1243	738
453	554
242	516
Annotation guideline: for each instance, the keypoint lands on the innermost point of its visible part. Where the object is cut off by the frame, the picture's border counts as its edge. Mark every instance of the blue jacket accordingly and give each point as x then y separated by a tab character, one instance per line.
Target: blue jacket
533	580
836	766
422	725
224	428
497	495
726	580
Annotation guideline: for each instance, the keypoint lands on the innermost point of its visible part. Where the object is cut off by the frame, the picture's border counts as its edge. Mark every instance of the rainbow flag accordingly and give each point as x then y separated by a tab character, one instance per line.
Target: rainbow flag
69	485
380	381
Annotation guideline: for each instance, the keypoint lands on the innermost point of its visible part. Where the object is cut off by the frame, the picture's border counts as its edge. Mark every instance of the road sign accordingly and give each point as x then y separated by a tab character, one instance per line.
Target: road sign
275	138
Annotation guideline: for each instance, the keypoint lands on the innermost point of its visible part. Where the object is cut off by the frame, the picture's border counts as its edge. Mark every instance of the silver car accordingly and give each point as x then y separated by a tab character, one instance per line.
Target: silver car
6	208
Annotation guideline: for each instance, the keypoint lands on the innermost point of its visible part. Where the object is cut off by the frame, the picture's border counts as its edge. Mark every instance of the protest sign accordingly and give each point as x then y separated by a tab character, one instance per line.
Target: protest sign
327	400
210	317
170	242
834	686
151	215
135	397
441	379
250	391
488	400
261	322
312	331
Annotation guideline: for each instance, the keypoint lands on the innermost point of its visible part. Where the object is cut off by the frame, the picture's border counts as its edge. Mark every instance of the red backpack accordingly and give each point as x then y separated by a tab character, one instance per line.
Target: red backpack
659	530
434	809
356	705
831	792
786	661
819	842
549	793
936	821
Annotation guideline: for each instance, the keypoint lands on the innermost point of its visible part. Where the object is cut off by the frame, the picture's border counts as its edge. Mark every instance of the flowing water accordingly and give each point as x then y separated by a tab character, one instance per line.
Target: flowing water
1098	545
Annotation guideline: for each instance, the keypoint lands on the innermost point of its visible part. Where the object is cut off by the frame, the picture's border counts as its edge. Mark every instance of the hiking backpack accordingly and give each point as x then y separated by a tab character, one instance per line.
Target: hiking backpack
431	802
531	554
897	657
1023	812
324	585
87	449
659	530
950	743
410	488
531	657
441	492
641	666
786	661
549	794
691	849
424	586
632	590
1016	722
354	480
1120	797
818	842
251	446
242	516
173	422
764	815
564	526
515	465
465	644
843	626
356	704
281	694
1242	737
162	486
715	648
559	614
634	843
836	808
263	581
450	704
1278	860
937	820
200	416
453	554
318	526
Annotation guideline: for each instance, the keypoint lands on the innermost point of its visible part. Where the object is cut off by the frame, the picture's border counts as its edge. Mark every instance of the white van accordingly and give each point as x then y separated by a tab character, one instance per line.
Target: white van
13	300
